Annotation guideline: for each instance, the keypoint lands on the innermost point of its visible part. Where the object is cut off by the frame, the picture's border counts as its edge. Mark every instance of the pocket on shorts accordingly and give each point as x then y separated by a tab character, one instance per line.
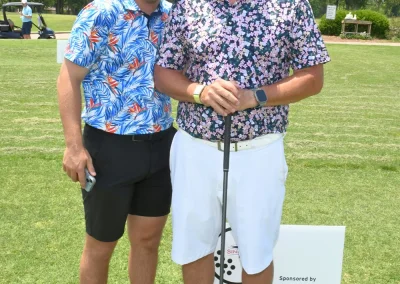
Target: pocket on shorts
172	134
85	195
285	168
172	148
93	140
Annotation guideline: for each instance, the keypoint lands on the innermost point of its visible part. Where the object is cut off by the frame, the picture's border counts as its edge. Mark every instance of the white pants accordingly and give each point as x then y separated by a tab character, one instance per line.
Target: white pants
256	189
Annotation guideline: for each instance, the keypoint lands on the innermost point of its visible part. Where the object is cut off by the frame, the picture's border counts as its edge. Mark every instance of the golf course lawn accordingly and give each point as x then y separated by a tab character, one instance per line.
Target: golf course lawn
342	146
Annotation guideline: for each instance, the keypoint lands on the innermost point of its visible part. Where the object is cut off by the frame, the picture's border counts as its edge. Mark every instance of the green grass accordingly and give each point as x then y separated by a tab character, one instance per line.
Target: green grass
58	23
63	23
343	151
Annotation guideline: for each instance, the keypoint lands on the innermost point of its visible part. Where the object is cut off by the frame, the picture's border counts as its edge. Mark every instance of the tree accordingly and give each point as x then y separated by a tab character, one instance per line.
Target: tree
378	4
60	6
355	4
392	8
318	7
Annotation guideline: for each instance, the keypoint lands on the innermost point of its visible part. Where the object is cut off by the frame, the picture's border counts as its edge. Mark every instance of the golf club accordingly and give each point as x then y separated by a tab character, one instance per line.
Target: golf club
227	143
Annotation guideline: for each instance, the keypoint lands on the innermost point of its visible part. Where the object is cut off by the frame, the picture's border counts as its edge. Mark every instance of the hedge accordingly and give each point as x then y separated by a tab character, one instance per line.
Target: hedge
380	24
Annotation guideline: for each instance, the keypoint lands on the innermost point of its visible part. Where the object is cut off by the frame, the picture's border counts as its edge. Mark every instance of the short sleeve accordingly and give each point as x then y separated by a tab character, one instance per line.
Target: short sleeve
172	52
89	35
29	11
307	47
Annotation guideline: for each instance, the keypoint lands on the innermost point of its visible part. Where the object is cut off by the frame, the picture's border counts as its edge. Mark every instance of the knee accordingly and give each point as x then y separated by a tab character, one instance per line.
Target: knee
148	241
98	250
145	232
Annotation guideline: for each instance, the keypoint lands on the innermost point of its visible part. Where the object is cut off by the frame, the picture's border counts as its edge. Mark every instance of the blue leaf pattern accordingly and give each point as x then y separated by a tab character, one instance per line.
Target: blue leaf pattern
119	46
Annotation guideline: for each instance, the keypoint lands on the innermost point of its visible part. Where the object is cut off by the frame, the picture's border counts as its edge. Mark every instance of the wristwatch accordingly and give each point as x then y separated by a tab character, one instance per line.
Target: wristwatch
197	93
261	96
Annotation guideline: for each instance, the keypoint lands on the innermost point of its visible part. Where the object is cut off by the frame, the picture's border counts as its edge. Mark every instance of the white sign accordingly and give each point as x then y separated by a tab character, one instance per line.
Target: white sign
303	254
61	46
331	12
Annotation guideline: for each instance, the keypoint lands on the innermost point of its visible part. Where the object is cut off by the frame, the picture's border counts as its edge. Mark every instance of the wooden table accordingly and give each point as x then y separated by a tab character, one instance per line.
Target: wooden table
357	23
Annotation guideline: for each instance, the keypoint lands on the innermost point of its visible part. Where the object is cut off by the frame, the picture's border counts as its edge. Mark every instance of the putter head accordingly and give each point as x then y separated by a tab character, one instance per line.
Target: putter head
232	267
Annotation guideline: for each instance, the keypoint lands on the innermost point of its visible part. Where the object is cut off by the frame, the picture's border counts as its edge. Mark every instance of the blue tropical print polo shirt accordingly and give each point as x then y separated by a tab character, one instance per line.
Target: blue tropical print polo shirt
119	44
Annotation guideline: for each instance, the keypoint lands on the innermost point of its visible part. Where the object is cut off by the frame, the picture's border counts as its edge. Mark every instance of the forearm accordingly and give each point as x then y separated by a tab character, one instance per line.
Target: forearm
70	107
300	85
28	17
174	84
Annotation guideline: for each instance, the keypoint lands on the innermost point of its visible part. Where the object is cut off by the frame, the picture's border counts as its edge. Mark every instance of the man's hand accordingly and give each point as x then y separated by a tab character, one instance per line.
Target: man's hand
76	159
246	99
222	96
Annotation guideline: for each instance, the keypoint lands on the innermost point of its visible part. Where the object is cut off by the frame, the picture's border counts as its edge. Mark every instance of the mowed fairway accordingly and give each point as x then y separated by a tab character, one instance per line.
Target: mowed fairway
58	23
343	151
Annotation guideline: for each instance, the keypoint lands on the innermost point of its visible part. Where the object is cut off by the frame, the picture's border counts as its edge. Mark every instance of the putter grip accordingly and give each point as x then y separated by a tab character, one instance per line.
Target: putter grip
227	140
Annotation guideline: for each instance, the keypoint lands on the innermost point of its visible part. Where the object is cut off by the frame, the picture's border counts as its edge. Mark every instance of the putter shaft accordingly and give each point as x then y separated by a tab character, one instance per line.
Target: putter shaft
227	143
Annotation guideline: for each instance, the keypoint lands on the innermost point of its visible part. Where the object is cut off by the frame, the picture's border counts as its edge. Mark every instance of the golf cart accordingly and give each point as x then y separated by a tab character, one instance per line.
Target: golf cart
9	30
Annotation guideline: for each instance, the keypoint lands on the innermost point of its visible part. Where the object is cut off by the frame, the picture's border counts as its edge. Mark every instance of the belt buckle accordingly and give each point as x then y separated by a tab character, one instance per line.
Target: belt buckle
219	143
219	146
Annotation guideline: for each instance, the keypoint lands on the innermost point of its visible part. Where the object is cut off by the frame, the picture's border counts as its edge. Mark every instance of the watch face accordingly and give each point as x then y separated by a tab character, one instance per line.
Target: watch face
261	96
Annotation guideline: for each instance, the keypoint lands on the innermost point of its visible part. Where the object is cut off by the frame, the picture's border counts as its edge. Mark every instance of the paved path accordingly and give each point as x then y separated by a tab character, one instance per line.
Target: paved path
334	40
364	43
58	35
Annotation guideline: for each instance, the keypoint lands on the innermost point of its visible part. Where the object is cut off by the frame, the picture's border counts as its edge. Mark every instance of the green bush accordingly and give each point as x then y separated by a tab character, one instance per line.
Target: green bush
380	24
394	29
355	36
332	27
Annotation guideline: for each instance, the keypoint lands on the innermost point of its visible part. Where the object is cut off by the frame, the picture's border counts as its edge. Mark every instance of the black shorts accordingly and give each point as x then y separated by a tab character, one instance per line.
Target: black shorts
26	28
132	177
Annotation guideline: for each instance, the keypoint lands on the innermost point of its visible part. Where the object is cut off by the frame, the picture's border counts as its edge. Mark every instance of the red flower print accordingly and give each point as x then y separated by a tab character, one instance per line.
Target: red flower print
112	41
111	128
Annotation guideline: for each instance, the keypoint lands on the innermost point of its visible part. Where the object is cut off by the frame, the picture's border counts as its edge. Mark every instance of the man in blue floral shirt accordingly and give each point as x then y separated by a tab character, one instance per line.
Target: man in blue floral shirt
236	56
127	134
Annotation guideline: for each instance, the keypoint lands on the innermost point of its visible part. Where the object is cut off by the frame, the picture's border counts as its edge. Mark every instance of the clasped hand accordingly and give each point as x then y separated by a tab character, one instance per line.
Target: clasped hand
226	97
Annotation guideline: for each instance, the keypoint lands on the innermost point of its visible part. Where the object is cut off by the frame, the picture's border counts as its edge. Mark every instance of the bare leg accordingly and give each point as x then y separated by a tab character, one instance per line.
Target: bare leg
200	271
95	260
264	277
144	236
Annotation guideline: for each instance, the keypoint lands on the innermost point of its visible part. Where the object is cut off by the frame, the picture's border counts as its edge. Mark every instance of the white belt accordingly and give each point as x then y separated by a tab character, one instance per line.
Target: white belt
241	145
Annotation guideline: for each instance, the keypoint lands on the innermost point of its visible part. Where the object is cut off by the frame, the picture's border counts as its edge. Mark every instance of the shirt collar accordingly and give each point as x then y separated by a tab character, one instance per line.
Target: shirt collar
130	5
164	6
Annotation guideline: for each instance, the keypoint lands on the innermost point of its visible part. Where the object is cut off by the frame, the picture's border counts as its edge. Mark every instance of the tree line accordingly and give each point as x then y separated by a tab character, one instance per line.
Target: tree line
390	8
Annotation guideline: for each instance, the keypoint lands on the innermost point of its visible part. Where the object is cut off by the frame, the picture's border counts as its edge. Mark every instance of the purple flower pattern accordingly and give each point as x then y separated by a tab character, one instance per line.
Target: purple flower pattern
253	42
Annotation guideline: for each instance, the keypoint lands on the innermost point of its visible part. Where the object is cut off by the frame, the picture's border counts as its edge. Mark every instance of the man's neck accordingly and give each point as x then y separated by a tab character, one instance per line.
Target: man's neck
148	6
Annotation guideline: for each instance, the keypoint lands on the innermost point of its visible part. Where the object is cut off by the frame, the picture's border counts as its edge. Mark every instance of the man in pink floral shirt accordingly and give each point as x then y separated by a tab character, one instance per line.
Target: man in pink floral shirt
236	57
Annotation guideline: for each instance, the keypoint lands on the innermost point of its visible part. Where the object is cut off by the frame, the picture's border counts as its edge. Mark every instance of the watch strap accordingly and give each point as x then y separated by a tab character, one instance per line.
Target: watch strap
197	93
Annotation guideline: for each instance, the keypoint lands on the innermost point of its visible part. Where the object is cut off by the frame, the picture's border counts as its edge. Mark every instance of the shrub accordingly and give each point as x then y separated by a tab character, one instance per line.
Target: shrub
380	24
332	27
394	29
356	36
